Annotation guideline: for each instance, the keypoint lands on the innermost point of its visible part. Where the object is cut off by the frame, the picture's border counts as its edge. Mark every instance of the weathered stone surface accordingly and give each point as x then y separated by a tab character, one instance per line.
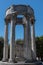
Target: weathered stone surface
29	44
33	45
21	9
19	63
5	48
12	39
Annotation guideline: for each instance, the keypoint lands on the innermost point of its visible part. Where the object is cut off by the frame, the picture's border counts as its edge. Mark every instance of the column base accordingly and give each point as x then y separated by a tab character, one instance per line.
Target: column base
4	60
7	63
12	61
33	61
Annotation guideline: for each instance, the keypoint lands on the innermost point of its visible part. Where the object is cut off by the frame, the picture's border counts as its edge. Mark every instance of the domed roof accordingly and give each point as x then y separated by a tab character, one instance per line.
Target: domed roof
19	10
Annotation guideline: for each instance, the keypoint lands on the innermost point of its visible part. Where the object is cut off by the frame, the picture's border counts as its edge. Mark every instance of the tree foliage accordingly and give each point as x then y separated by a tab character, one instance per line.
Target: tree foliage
39	46
1	47
19	41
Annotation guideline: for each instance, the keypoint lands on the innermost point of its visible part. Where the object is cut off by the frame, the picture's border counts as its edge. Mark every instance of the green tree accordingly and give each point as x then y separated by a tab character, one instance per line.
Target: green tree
39	46
1	47
19	41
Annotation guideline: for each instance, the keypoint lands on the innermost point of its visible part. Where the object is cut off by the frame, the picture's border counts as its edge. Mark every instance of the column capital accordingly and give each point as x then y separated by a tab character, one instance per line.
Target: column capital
8	18
32	20
14	16
24	25
27	16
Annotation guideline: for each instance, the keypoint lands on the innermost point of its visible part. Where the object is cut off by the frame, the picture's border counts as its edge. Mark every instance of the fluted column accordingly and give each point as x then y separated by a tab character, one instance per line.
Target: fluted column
33	41
12	40
27	44
5	48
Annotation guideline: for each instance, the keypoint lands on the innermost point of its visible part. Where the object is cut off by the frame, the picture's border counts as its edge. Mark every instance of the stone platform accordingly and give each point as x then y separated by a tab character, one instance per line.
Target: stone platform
19	63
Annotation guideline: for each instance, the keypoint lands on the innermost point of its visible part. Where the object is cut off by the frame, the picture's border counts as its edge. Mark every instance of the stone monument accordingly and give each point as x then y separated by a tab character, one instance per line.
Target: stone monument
28	22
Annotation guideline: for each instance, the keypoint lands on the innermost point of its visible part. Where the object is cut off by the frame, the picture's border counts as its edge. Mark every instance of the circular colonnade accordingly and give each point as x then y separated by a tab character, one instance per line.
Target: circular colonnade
28	21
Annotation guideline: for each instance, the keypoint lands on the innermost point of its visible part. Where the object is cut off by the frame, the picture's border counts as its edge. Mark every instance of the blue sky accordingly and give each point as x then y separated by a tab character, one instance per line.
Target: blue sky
37	5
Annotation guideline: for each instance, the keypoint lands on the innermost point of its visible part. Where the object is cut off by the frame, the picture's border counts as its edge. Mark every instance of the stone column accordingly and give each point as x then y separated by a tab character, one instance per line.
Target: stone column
27	44
12	40
5	48
33	41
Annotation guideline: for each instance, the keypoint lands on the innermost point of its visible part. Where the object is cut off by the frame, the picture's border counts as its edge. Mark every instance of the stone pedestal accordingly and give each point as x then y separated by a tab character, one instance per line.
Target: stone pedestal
20	63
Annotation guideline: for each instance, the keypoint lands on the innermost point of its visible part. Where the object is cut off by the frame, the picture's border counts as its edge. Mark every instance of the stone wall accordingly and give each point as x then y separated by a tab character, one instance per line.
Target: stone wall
19	50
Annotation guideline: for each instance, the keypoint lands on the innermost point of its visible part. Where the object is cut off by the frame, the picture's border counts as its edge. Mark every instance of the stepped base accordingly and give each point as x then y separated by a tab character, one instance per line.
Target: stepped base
19	63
